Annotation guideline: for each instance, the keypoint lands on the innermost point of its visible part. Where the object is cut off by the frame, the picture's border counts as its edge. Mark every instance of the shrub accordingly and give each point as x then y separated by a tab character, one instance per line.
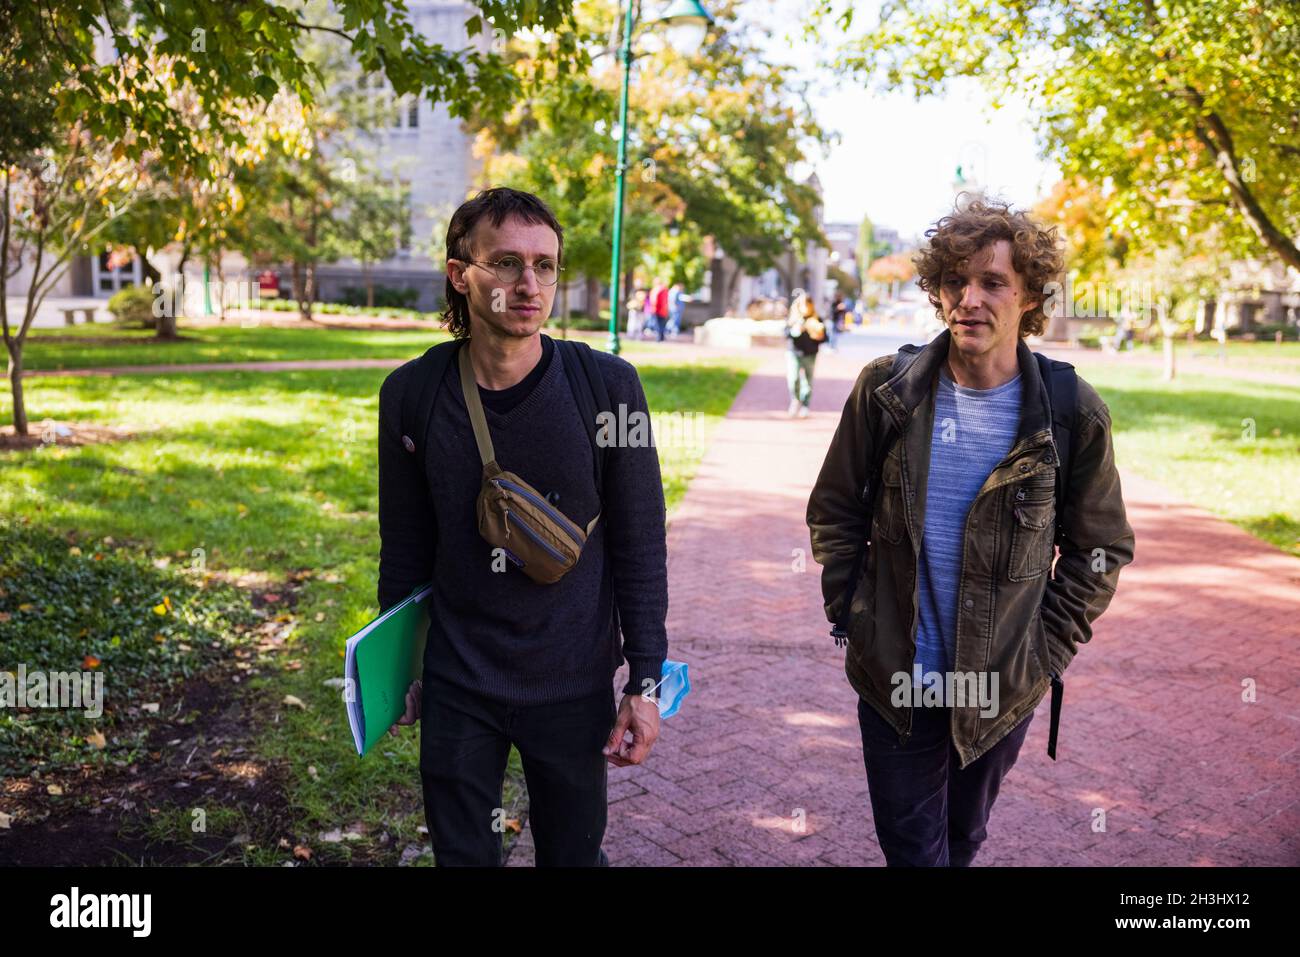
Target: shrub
133	304
385	296
96	609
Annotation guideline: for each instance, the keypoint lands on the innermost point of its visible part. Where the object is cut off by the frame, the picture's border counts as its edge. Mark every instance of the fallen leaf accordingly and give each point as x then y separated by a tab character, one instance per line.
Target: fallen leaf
293	702
512	825
5	819
312	773
271	596
320	616
89	661
26	606
302	852
97	741
74	550
152	707
54	789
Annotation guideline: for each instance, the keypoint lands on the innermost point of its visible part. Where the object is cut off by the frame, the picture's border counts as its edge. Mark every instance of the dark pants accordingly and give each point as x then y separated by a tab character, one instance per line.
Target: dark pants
928	812
464	744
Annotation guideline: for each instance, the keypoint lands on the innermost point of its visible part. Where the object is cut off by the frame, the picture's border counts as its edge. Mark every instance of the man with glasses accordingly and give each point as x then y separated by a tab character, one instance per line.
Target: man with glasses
509	660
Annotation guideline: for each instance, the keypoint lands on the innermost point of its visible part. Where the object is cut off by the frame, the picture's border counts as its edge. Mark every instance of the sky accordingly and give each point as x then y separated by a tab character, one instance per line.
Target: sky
897	157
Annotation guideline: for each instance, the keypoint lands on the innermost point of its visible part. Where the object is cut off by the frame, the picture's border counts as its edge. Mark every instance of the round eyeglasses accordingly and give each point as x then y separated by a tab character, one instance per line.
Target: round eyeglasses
509	269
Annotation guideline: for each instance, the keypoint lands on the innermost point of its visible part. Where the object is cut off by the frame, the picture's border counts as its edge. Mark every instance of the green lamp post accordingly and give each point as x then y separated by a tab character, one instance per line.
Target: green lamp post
686	22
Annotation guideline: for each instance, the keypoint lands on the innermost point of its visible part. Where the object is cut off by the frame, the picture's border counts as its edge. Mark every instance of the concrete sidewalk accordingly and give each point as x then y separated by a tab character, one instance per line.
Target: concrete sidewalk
764	763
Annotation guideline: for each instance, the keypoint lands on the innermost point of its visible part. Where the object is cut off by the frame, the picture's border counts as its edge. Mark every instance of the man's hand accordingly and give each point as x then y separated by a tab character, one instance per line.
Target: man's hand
412	706
640	715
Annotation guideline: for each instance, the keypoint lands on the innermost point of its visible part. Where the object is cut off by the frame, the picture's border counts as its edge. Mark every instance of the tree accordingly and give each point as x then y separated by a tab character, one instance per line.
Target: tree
56	203
714	141
1186	110
120	118
373	223
892	270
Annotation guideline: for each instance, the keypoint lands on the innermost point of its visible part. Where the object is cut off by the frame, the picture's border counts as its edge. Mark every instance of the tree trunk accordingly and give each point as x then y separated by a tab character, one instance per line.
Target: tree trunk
16	388
166	325
308	291
593	298
727	306
1169	357
147	271
221	280
370	286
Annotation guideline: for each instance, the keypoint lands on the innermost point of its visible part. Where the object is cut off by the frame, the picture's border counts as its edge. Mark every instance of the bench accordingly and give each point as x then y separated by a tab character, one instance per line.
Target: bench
70	314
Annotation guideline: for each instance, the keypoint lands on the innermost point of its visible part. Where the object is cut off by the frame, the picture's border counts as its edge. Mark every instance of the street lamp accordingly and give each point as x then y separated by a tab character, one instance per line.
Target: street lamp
685	22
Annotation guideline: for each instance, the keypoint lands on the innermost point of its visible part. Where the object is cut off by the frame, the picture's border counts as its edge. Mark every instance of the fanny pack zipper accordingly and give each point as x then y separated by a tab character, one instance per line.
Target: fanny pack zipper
545	506
535	537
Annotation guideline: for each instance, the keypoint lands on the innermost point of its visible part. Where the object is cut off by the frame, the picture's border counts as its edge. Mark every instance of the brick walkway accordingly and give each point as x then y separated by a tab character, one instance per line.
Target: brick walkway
764	764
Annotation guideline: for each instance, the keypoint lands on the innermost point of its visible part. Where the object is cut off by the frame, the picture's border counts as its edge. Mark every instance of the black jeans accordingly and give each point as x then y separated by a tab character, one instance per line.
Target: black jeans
464	744
928	812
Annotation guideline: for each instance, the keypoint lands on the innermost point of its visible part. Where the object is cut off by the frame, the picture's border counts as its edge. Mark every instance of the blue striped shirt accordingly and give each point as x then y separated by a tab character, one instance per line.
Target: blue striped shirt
974	429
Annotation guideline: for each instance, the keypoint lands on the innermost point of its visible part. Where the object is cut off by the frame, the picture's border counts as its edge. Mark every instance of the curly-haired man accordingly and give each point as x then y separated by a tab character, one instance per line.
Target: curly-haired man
958	619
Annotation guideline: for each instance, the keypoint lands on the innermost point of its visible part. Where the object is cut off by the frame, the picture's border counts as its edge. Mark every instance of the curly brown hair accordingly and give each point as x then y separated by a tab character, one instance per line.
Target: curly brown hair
1035	252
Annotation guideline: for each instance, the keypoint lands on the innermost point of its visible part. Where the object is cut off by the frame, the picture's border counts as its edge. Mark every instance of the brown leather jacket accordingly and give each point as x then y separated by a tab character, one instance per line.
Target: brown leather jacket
1019	618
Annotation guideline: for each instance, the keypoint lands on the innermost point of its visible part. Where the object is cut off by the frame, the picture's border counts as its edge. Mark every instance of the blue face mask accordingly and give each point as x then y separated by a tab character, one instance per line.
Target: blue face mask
673	687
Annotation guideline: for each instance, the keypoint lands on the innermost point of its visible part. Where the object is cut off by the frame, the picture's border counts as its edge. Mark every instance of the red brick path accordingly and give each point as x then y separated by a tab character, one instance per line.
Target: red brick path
1154	730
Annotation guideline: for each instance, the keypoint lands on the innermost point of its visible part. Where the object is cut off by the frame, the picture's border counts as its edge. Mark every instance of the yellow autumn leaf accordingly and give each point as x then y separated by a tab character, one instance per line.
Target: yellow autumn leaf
97	741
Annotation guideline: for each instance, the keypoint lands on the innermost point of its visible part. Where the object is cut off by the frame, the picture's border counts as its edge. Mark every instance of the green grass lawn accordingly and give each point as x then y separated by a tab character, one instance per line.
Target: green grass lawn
1265	356
79	347
275	474
102	345
1194	436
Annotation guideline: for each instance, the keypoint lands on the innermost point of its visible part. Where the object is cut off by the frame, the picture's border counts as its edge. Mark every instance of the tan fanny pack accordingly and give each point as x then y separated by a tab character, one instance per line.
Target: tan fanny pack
514	516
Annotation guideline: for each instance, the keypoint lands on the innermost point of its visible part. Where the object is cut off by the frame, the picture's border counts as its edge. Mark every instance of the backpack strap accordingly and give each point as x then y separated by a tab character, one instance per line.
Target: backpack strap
1062	383
589	391
418	399
882	441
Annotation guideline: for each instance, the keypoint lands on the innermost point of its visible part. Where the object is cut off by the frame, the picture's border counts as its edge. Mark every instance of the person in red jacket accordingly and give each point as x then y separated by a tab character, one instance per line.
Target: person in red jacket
659	296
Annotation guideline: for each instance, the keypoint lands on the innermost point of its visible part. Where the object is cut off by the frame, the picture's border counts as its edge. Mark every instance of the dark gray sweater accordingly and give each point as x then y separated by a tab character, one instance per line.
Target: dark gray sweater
499	633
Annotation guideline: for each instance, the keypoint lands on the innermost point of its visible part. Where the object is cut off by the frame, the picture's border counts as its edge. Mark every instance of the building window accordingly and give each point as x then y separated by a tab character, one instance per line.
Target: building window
413	114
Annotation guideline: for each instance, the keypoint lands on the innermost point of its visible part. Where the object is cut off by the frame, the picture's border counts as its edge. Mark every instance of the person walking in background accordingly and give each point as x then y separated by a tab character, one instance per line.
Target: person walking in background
836	322
804	334
659	305
636	314
677	300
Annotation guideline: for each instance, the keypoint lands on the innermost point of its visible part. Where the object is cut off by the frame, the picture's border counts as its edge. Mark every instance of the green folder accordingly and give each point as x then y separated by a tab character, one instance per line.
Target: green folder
381	661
